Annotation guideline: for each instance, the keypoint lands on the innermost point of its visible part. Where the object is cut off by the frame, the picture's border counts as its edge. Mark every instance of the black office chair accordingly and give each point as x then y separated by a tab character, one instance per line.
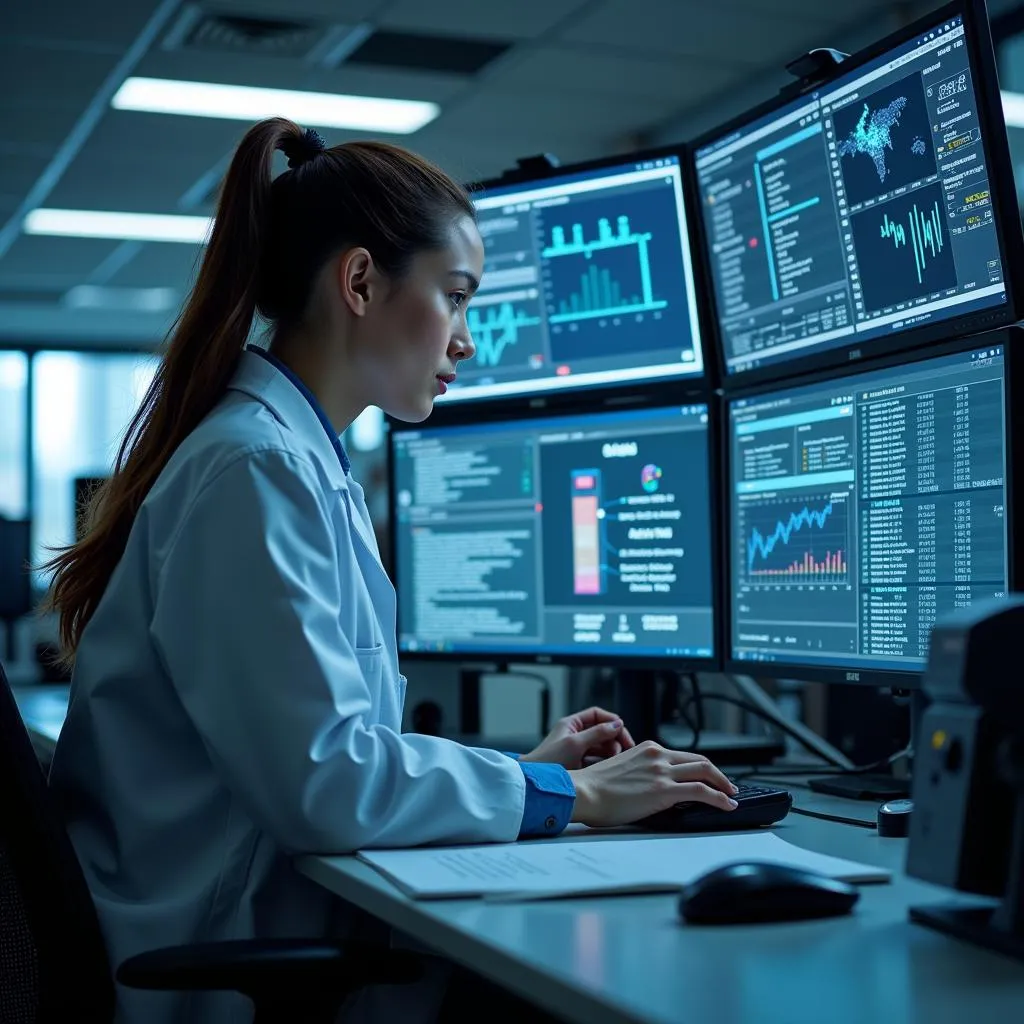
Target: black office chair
53	961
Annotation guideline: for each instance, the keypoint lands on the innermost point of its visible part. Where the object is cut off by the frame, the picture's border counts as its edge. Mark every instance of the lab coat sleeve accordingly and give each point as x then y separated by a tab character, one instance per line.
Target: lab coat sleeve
247	610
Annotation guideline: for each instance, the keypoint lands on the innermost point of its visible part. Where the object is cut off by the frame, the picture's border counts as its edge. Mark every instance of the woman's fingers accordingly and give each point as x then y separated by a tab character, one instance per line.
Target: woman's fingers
705	794
703	771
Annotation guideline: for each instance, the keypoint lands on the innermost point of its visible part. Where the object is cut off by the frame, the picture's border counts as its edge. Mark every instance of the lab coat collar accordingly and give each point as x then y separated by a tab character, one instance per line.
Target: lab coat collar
259	378
308	395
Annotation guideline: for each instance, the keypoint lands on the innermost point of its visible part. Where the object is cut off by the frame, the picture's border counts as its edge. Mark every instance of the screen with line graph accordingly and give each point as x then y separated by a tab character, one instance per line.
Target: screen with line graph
571	536
857	212
863	508
587	282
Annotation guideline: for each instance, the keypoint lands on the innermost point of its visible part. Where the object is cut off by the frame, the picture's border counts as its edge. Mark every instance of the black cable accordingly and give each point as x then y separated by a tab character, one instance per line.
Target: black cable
841	818
753	709
678	711
697	699
810	769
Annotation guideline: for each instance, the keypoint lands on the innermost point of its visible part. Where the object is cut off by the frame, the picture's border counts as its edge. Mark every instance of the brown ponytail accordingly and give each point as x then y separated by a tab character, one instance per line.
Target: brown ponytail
270	239
197	366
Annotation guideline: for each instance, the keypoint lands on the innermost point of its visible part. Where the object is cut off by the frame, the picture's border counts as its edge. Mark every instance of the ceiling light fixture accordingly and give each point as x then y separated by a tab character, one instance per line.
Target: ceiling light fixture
249	103
140	227
142	300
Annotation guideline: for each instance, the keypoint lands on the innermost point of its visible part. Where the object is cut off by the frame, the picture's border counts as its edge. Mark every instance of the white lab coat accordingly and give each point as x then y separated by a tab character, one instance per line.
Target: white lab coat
237	700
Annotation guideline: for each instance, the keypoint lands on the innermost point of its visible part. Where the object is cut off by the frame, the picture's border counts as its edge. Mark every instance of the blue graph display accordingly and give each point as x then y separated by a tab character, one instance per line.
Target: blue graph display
903	249
926	235
885	141
758	545
613	276
787	543
496	329
599	294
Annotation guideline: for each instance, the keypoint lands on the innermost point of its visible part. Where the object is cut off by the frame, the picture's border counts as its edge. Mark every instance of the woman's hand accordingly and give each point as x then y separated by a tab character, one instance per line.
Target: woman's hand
582	739
644	780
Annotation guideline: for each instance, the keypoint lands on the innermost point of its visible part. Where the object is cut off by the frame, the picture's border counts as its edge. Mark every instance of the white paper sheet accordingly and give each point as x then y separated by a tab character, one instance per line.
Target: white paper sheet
539	869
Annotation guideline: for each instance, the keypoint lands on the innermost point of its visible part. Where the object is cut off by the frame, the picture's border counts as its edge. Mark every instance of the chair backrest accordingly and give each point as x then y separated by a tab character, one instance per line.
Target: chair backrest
53	961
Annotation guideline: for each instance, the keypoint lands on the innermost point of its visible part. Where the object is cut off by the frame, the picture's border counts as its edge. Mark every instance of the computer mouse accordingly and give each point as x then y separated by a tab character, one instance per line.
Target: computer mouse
754	892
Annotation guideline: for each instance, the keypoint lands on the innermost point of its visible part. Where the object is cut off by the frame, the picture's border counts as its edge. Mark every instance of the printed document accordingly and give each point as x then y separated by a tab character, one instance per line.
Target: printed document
539	869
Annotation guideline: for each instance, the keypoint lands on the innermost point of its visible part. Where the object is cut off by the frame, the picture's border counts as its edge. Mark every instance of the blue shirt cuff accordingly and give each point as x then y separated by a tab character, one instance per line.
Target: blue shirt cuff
550	798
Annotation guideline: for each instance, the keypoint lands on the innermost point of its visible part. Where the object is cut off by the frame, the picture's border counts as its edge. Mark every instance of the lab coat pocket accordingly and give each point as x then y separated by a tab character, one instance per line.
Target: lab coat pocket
371	666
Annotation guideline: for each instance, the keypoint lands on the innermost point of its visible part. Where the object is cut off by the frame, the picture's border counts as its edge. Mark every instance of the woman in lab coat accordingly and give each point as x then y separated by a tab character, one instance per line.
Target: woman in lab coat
236	696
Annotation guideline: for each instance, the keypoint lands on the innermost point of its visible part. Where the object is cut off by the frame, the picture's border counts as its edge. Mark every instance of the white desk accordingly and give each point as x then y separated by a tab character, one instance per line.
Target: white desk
630	959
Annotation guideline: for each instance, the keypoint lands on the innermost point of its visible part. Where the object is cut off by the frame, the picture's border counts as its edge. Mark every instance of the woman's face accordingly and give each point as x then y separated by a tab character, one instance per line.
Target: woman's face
413	341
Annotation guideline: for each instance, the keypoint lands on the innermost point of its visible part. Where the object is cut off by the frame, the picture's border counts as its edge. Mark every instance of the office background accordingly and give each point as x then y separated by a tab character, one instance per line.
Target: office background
82	318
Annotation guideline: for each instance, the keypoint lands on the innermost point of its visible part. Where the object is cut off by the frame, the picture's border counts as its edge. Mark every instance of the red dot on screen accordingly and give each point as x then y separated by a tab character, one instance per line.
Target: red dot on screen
753	243
538	507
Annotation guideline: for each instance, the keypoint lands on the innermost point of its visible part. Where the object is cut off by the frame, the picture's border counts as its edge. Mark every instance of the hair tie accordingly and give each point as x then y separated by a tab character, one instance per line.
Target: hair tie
304	148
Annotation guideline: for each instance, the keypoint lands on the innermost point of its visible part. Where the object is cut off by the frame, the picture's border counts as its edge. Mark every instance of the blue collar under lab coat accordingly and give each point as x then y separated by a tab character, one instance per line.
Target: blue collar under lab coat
343	458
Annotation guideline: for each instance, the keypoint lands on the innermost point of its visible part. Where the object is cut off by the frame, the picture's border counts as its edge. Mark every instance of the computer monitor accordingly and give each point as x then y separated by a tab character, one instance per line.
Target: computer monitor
874	213
587	282
864	507
585	538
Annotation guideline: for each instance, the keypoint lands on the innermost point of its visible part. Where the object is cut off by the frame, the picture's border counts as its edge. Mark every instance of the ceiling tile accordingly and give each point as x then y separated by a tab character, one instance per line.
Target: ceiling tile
33	128
734	35
9	202
160	265
501	110
812	10
602	73
111	23
41	257
42	78
300	10
392	82
476	158
144	162
523	19
19	171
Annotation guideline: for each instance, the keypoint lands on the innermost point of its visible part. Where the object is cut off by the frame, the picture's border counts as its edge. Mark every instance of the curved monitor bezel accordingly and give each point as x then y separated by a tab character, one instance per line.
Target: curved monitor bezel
1013	386
1004	203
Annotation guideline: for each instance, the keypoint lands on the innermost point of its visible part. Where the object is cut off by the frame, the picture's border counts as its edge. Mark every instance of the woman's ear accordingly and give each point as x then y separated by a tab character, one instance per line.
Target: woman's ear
358	280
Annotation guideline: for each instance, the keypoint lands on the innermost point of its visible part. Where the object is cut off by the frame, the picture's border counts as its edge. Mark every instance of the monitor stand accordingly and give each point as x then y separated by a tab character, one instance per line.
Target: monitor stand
637	700
470	720
877	785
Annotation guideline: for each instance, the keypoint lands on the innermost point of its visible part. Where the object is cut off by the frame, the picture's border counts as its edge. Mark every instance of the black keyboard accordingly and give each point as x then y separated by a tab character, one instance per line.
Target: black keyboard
759	806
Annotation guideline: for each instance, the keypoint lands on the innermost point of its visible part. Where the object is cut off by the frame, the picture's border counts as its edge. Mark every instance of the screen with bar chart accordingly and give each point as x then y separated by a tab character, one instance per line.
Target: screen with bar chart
565	537
858	212
587	282
863	508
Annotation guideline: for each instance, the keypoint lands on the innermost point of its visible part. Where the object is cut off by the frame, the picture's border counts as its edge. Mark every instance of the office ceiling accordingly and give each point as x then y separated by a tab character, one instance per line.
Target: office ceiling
578	78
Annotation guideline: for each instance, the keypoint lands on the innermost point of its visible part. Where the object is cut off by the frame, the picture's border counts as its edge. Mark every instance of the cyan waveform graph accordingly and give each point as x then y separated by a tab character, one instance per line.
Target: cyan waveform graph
789	543
496	329
926	235
903	250
601	291
885	141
